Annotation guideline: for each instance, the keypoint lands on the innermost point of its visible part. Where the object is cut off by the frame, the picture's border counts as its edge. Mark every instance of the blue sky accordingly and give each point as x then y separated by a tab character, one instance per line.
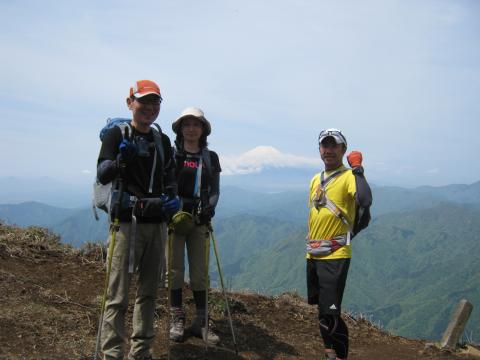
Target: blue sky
400	78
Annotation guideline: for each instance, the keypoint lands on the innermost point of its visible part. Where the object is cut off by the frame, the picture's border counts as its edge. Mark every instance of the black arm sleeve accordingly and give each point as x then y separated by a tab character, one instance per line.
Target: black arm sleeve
364	193
107	168
214	193
107	171
214	189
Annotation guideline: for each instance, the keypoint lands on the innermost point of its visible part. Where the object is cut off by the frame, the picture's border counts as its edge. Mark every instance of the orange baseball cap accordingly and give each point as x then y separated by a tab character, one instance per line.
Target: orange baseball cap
143	88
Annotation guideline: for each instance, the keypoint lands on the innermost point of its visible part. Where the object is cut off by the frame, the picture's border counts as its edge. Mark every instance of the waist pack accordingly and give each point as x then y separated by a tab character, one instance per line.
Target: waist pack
183	223
326	247
150	208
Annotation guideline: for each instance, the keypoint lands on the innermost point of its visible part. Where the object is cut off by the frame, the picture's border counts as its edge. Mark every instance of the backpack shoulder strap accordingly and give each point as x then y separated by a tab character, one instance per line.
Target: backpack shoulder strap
126	129
324	182
320	193
207	160
157	136
174	152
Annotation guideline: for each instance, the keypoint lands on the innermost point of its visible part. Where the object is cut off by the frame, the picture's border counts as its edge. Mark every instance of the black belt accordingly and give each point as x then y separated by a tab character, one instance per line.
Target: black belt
190	205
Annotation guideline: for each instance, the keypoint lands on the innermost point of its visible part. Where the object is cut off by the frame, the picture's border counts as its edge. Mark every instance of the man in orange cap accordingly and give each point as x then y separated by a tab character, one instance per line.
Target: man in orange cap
336	194
139	157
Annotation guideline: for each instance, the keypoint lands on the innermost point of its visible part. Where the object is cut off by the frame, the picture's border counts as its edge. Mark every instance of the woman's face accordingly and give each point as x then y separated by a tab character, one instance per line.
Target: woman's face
192	129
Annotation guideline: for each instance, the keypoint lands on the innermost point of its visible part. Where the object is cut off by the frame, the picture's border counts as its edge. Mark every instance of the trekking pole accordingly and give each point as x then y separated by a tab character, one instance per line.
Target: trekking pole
207	287
223	286
169	284
111	247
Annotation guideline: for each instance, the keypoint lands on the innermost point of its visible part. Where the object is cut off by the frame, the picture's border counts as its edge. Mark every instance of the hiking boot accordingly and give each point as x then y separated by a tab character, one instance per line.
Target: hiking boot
177	325
330	355
147	357
198	330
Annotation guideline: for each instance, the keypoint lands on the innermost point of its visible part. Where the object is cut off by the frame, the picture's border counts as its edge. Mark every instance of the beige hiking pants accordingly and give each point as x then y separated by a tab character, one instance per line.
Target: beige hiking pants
149	251
195	241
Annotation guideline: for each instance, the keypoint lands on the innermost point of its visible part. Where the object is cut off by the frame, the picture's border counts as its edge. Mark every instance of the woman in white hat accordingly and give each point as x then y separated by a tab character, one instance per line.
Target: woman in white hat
198	175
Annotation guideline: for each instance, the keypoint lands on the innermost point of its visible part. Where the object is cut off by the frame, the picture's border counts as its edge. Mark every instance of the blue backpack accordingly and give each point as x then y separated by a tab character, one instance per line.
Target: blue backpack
122	123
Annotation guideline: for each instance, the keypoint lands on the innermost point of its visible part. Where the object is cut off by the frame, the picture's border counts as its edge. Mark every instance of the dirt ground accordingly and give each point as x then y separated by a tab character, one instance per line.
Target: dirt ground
50	303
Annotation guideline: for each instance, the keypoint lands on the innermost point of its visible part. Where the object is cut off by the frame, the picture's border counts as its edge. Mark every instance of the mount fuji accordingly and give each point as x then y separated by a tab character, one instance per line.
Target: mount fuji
266	169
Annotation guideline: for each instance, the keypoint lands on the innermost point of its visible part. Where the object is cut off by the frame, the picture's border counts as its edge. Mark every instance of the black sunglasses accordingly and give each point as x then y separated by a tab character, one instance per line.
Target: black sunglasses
150	99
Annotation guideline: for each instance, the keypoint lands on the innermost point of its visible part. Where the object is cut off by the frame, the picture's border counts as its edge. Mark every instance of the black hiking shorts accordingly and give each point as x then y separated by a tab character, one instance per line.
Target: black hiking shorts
326	283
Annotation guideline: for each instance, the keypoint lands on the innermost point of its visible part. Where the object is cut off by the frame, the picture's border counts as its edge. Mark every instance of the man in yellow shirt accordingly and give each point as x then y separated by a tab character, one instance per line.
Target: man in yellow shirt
336	194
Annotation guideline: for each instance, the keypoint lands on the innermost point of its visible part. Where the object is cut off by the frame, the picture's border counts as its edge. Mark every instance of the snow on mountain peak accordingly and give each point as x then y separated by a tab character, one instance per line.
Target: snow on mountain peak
261	157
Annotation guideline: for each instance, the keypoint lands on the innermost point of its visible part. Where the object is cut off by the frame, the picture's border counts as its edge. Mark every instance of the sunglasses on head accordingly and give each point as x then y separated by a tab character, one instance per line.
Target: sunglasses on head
331	132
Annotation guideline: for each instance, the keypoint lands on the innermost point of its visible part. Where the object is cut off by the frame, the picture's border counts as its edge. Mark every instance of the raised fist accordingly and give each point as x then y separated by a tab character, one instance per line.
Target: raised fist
355	159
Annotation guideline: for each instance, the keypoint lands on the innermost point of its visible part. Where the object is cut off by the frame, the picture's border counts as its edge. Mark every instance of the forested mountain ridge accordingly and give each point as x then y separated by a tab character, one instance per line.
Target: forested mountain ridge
408	269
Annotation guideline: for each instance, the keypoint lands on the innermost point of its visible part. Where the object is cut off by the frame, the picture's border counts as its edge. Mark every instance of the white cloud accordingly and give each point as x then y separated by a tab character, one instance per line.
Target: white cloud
263	157
433	171
88	172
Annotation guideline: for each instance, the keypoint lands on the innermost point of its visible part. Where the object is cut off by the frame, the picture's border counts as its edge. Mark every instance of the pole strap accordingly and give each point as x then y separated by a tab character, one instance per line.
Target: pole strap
131	239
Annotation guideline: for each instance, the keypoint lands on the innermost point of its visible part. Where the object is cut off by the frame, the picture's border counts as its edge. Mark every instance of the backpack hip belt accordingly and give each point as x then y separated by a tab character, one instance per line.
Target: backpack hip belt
325	247
128	201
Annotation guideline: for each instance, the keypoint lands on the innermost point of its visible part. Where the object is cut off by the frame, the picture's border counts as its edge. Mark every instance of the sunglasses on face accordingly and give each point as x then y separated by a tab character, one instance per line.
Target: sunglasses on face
150	100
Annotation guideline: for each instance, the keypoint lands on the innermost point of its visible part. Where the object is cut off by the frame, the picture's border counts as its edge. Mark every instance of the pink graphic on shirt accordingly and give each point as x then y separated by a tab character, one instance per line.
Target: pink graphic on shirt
190	164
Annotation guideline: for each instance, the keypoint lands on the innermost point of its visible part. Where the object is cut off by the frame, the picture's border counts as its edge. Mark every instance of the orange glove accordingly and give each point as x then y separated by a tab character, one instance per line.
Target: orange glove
355	159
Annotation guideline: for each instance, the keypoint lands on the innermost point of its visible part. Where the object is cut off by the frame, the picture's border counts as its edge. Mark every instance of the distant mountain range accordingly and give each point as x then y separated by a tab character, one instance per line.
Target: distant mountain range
416	260
14	190
33	213
274	173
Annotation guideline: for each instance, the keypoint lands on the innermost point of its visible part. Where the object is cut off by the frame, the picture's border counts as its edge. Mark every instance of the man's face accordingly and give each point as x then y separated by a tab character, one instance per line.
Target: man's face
144	110
331	153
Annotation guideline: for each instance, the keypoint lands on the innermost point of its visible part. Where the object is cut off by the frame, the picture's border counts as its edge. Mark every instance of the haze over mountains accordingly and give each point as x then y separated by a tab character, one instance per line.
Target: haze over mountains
417	259
263	169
